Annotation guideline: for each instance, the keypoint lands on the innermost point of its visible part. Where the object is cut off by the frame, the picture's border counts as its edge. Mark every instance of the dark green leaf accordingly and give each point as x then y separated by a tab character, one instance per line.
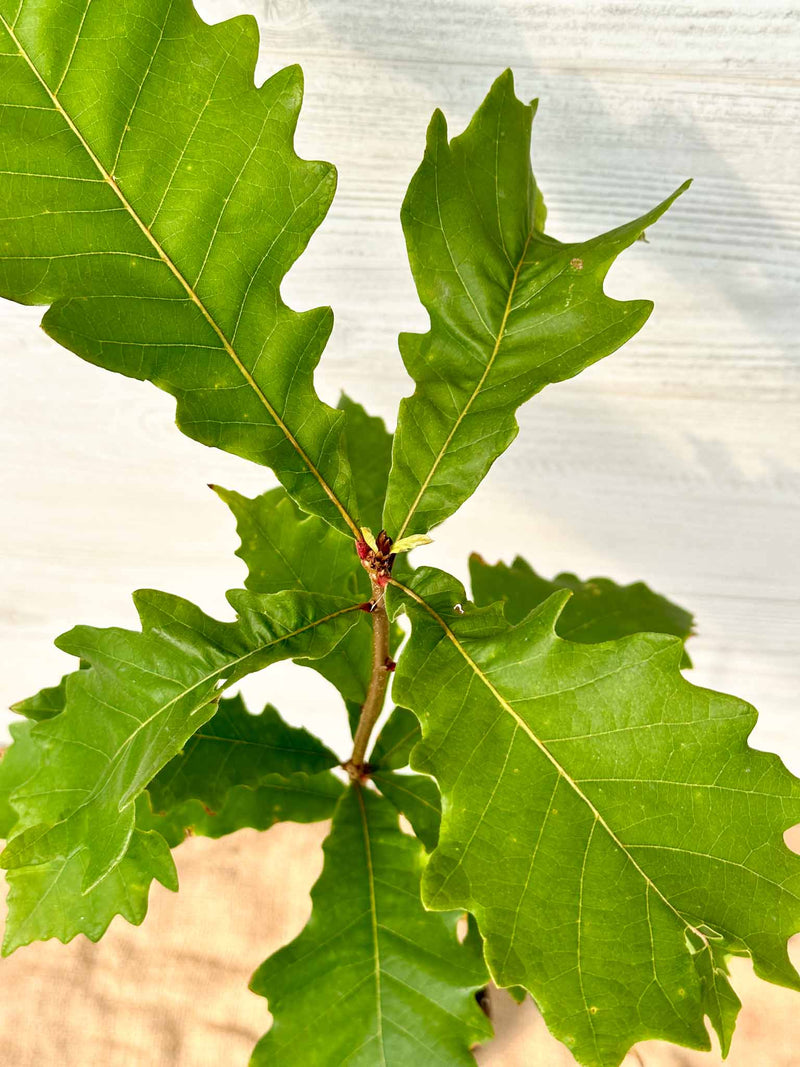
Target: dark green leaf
598	610
154	199
294	798
395	741
236	748
604	820
125	718
373	978
417	797
511	308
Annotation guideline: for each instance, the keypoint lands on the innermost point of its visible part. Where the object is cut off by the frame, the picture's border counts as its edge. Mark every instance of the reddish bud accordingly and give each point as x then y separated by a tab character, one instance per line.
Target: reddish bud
366	606
363	549
384	543
389	664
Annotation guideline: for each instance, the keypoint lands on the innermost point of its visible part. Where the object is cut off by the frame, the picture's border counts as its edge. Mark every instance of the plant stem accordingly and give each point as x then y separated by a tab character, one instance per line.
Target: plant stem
378	682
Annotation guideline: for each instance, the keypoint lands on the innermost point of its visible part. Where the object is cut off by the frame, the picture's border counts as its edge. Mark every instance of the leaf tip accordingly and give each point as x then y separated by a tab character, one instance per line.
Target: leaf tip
437	129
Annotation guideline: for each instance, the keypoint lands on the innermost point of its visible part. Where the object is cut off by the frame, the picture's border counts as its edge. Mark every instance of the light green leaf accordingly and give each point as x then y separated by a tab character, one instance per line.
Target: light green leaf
603	819
235	748
408	544
369	537
154	199
369	446
125	718
294	798
395	741
598	610
511	308
373	978
417	797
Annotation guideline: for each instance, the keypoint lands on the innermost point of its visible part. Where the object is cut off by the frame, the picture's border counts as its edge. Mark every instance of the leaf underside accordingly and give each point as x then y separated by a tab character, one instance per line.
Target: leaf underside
151	194
511	308
603	819
373	978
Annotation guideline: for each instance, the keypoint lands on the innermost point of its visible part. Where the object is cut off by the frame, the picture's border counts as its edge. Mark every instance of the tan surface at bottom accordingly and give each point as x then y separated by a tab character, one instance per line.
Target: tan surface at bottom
173	993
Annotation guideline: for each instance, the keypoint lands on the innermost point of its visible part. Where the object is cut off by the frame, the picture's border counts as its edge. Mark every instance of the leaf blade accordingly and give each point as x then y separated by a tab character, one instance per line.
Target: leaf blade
401	967
235	748
598	610
511	309
417	797
394	743
297	797
144	696
606	891
170	270
283	549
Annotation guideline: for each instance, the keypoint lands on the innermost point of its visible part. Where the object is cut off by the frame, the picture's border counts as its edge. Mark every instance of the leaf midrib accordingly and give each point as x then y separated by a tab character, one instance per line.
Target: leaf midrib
190	291
373	911
562	772
475	393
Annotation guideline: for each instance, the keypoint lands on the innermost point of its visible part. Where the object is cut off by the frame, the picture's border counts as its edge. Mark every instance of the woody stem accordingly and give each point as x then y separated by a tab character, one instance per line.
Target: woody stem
378	682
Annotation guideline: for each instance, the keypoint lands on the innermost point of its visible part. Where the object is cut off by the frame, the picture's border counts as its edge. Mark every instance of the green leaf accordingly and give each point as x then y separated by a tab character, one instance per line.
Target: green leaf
283	549
719	998
603	819
236	748
511	308
154	199
369	446
293	798
598	610
125	718
17	764
49	900
45	704
417	797
395	741
373	978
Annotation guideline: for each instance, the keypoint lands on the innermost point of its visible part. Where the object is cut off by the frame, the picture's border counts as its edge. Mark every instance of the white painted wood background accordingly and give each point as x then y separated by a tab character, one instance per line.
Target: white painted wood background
676	460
